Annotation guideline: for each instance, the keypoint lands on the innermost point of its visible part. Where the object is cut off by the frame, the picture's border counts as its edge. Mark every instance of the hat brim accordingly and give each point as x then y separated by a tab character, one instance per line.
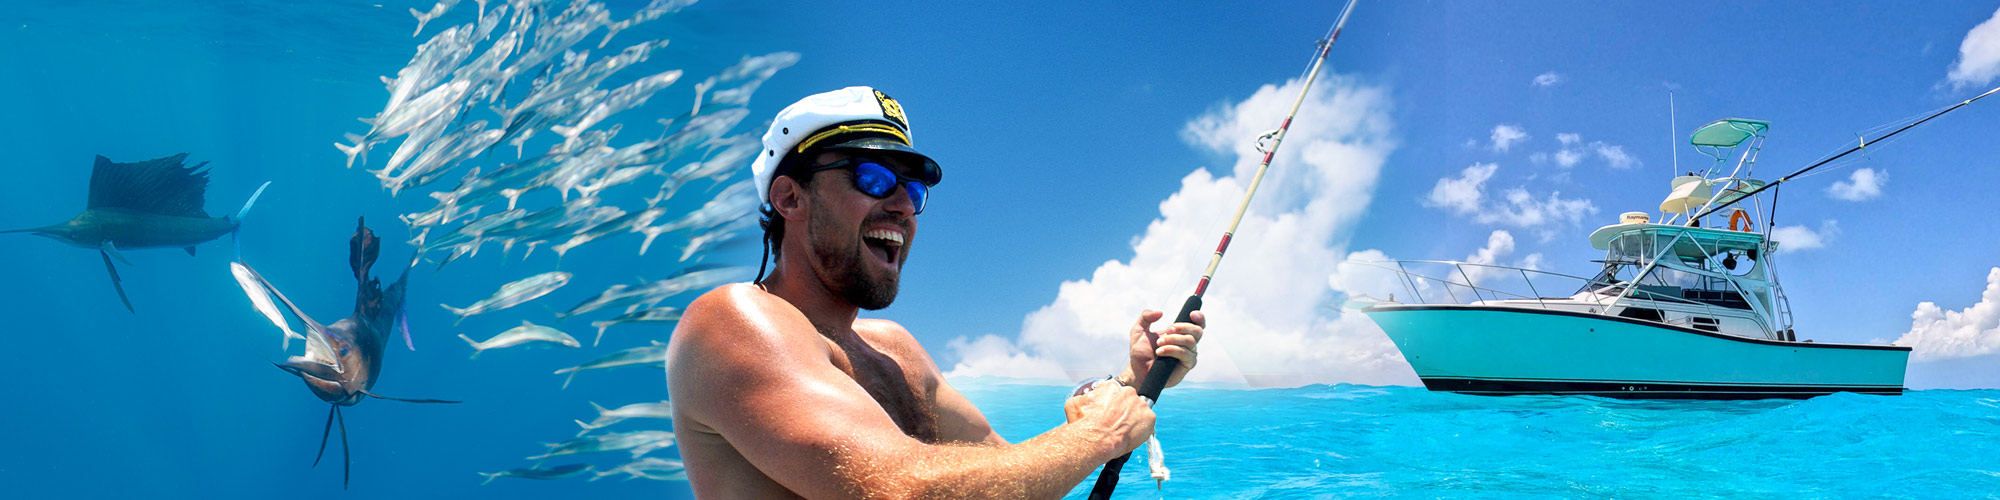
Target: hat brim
929	171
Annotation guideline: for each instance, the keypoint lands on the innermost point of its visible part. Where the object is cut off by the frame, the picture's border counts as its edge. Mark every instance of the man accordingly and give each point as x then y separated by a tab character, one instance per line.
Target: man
780	391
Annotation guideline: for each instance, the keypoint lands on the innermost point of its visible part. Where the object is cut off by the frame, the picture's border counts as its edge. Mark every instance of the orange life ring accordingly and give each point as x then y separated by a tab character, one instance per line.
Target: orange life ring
1739	215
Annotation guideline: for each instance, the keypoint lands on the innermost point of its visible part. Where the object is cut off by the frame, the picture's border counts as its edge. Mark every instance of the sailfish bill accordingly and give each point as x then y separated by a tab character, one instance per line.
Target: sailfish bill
155	203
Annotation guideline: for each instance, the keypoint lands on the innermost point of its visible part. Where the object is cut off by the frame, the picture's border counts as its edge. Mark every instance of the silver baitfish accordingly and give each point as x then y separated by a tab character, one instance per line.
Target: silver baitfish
663	410
656	315
526	333
513	294
557	472
639	442
655	354
657	469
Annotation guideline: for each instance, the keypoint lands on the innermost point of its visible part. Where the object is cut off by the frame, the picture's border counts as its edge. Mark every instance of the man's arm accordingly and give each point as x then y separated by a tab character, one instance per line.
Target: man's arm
757	372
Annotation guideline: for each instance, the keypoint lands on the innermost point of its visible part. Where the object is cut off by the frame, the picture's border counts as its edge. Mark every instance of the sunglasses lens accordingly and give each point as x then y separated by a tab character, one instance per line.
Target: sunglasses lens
874	179
918	194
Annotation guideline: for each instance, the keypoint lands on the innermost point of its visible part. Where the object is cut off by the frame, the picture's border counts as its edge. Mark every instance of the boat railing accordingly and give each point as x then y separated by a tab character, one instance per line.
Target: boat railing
1603	294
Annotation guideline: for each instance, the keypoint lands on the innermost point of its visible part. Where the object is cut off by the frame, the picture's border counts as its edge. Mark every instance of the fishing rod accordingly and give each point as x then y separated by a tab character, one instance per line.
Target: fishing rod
1163	368
1864	144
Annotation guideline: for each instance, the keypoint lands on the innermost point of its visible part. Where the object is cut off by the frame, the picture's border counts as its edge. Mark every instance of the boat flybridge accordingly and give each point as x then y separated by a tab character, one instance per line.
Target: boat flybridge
1681	308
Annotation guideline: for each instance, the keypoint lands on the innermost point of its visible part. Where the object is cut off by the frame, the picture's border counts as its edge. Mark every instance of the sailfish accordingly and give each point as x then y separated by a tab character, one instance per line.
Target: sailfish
150	204
342	361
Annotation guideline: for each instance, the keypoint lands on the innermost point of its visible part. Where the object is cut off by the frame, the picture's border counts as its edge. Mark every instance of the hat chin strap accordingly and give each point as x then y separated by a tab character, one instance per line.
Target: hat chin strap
763	261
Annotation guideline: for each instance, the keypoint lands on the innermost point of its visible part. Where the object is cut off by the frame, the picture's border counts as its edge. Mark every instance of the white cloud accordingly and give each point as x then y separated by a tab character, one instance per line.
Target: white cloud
1863	184
1499	245
1568	157
1548	79
1978	56
1270	328
1463	194
1504	136
1797	238
1466	195
1573	151
1613	155
1938	334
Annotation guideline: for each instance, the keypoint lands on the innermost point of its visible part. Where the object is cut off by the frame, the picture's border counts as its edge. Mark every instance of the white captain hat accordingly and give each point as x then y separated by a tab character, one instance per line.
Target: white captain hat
851	118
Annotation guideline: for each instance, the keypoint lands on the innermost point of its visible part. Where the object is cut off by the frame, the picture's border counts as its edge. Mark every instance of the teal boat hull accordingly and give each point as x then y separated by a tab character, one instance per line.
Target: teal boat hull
1491	350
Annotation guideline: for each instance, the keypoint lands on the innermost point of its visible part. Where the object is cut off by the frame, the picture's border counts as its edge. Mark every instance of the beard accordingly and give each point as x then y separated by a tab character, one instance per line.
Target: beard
841	269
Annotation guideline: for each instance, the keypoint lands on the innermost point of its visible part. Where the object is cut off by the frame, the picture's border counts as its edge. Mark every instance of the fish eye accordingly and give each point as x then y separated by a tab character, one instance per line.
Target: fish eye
343	351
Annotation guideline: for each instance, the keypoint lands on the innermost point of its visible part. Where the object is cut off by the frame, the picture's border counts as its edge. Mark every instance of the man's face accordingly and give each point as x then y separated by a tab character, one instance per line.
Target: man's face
858	242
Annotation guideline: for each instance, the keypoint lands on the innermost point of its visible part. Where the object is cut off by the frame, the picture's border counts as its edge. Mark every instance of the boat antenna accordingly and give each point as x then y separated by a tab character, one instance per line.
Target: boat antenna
1163	368
1673	136
1864	143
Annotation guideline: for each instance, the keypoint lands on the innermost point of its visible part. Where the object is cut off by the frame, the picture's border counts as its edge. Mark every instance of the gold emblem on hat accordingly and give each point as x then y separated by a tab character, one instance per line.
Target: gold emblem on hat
891	110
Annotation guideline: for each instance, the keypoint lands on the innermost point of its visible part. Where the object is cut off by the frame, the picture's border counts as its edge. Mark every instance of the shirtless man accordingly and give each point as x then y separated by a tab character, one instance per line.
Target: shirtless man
780	391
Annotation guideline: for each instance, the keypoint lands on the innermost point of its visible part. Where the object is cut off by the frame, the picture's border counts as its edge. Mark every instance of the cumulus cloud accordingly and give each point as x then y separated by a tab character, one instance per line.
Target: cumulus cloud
1499	245
1936	333
1463	194
1978	56
1797	238
1574	150
1504	136
1548	79
1466	195
1863	184
1613	155
1568	157
1270	327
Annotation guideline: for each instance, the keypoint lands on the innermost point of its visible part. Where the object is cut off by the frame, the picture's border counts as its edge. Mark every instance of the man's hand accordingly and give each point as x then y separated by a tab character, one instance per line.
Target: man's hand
1117	411
1175	341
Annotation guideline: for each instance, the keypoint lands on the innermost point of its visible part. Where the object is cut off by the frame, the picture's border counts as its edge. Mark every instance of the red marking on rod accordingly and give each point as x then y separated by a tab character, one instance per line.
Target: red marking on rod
1201	287
1336	36
1287	124
1224	245
1267	157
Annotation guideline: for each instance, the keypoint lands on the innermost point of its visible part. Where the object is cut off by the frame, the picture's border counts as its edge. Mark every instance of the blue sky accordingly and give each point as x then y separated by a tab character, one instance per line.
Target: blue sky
1063	128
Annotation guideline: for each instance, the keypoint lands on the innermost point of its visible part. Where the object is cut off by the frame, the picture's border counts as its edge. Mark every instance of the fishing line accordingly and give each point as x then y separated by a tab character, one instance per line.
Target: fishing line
1816	165
1163	368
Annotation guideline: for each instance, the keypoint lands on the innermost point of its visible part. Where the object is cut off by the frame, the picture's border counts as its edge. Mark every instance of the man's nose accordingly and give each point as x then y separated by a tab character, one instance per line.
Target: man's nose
899	202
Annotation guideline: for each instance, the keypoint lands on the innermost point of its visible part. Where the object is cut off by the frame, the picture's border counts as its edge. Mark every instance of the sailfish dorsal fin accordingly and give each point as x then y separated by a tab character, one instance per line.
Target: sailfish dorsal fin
164	186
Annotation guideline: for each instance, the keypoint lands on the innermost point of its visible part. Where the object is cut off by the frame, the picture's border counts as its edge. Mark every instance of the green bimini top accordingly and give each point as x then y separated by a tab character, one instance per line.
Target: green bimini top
1728	132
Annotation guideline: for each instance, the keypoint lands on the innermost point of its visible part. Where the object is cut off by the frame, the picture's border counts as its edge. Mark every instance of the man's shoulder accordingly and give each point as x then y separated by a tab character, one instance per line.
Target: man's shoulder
742	312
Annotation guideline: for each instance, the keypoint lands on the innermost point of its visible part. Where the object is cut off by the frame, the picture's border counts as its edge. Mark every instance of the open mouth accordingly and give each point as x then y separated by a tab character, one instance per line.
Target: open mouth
885	244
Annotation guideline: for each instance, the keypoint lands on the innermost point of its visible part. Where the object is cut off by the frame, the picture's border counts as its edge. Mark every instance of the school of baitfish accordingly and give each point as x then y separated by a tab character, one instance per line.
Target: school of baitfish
451	110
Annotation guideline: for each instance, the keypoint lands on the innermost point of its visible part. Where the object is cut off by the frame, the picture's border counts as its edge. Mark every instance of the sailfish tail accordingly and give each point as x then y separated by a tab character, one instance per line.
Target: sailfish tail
240	214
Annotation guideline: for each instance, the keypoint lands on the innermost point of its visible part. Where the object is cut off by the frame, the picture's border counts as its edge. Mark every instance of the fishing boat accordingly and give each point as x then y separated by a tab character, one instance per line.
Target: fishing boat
1681	308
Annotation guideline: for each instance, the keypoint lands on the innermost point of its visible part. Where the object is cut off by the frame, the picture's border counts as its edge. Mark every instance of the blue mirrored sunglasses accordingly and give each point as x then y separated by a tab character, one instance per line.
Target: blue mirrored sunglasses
877	180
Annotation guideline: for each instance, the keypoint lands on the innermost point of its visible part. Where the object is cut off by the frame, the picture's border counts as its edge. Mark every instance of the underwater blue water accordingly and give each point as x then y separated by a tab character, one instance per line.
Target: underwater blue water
178	399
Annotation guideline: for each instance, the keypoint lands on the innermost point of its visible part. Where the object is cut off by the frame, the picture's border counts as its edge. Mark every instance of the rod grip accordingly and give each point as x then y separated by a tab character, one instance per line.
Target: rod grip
1155	381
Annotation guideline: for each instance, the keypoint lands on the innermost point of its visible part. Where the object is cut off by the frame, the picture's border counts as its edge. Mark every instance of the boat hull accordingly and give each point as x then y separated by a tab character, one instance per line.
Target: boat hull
1491	350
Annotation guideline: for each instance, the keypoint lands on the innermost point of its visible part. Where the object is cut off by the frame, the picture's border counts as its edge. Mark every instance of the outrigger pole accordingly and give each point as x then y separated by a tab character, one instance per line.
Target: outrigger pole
1809	168
1163	368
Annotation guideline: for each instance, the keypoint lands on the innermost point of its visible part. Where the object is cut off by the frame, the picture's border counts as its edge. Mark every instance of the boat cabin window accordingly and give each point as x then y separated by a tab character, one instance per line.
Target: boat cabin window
1704	323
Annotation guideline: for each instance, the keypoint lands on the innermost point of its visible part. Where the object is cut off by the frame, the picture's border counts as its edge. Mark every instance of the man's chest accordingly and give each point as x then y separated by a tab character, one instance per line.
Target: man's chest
904	391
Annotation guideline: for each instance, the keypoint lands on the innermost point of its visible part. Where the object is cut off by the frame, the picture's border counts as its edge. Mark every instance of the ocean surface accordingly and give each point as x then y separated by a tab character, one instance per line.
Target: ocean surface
179	400
1406	442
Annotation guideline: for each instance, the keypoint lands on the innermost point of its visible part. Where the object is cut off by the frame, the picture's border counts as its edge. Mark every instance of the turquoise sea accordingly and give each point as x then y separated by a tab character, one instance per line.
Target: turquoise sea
1405	442
178	399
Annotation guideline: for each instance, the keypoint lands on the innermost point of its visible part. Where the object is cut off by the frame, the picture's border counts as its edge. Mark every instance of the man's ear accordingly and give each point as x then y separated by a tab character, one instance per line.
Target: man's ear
788	198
